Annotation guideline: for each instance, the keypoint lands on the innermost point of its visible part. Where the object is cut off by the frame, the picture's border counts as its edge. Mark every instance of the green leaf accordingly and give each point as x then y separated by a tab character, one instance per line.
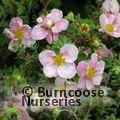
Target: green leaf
70	16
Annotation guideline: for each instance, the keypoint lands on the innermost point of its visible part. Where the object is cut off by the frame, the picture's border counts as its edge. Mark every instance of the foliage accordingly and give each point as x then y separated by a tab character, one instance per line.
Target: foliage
23	68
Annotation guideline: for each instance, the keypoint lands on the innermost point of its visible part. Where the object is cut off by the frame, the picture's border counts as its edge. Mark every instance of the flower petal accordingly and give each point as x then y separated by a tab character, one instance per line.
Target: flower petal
52	36
94	57
82	68
27	31
68	70
82	83
16	20
114	7
9	33
60	81
110	6
55	36
103	51
94	60
89	84
45	57
111	18
27	39
70	52
60	26
55	14
100	67
103	20
28	42
13	44
16	23
49	37
105	6
118	19
31	42
50	70
97	79
39	19
117	32
71	85
38	33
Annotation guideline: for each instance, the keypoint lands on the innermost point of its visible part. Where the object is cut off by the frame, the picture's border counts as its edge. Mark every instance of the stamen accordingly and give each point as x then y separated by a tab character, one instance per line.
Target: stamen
19	34
58	60
90	73
109	28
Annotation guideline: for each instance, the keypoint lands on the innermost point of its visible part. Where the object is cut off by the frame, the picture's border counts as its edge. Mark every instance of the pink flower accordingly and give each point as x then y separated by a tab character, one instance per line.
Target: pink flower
50	26
22	113
117	21
109	24
19	34
110	6
90	73
60	81
62	64
103	51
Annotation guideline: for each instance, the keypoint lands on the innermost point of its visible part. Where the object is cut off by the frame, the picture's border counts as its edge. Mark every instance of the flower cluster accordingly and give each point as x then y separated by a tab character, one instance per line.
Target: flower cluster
61	65
48	27
58	55
110	19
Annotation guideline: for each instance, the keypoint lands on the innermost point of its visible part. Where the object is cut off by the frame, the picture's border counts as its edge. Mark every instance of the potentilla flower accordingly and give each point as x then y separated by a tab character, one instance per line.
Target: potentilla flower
109	24
61	64
110	6
91	73
19	34
50	26
103	51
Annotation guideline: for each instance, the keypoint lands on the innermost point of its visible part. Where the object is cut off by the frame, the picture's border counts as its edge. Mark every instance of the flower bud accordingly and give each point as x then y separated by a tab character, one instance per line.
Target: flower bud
96	42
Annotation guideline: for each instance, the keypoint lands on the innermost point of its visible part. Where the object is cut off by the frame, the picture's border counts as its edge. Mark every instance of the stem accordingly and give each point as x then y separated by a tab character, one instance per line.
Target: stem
114	47
45	5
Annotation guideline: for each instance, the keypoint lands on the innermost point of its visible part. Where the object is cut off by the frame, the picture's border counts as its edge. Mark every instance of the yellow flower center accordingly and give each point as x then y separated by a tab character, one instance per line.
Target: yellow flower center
19	34
84	28
58	60
109	28
90	73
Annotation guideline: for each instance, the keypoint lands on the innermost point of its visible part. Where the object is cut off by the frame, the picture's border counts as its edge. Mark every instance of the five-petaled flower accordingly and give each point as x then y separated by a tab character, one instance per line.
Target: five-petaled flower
110	25
19	34
91	73
110	19
50	26
61	64
103	52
